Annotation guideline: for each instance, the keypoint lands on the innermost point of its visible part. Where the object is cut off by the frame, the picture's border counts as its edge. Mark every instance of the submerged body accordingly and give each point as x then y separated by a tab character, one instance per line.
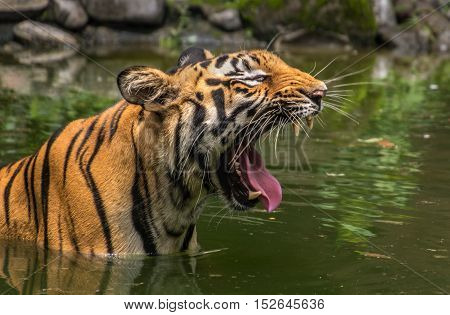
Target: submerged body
133	178
93	188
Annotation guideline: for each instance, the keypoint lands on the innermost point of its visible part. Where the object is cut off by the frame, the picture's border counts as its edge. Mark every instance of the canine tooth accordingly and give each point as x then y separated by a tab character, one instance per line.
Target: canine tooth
296	129
253	195
310	121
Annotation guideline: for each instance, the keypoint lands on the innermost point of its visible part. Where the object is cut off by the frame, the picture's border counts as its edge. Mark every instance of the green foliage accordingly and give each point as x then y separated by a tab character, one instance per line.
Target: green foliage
27	120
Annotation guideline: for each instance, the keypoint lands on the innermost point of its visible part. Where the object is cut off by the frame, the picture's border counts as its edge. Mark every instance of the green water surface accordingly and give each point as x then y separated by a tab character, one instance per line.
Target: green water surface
366	206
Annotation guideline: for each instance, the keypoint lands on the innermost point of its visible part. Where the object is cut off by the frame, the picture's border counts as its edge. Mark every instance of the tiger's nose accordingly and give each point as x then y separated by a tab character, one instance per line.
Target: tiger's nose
317	95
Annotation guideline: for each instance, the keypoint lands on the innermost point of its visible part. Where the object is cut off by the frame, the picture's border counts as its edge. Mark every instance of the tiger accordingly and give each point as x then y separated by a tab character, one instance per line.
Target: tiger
134	178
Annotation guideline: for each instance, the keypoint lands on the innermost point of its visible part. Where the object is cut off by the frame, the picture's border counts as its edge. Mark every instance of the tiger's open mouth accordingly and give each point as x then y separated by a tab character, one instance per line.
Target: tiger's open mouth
245	179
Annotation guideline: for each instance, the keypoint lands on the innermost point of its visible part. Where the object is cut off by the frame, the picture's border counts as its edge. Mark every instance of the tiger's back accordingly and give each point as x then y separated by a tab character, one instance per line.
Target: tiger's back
54	197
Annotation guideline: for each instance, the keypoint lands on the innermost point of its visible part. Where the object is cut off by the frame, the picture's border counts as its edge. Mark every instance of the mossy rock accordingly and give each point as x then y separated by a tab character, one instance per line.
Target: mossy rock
267	17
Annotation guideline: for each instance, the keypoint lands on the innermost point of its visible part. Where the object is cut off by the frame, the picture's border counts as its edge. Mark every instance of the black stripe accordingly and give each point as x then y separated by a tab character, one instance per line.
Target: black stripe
8	167
87	135
205	64
213	82
219	102
69	151
223	175
106	277
241	90
72	233
188	237
176	146
199	96
141	209
246	65
45	183
27	186
7	191
198	78
115	121
25	282
6	264
255	59
220	61
234	63
250	94
252	111
33	194
233	74
59	232
31	279
199	115
171	232
98	201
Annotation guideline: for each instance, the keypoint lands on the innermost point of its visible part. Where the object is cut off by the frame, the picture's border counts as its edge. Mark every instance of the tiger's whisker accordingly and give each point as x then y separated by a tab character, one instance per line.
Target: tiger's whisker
331	62
346	75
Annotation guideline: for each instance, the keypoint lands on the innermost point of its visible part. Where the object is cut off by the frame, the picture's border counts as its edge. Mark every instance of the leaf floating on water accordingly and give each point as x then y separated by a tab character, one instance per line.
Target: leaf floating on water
370	140
357	230
374	255
386	144
390	222
334	174
436	250
207	252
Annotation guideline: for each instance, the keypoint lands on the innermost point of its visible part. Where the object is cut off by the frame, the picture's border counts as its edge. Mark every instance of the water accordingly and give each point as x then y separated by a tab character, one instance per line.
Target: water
365	207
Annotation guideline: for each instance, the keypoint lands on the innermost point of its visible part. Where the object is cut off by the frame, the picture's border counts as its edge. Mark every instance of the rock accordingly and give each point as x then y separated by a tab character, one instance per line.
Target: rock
270	18
411	42
437	22
6	32
31	56
385	18
36	34
17	10
267	21
384	13
150	12
106	36
203	34
228	20
443	41
69	14
404	9
11	48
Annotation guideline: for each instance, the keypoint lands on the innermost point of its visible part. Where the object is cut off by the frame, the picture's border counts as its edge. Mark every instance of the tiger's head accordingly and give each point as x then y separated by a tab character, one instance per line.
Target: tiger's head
213	109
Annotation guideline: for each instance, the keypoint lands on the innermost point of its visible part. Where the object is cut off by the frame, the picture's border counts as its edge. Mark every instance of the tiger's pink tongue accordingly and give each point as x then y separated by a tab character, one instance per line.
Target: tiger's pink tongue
259	179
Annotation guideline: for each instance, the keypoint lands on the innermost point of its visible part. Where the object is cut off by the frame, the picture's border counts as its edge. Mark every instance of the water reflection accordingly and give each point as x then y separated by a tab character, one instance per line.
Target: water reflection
27	269
95	73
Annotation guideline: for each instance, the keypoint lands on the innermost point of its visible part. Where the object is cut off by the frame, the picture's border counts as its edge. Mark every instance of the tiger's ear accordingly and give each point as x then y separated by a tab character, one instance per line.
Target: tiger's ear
144	86
193	55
